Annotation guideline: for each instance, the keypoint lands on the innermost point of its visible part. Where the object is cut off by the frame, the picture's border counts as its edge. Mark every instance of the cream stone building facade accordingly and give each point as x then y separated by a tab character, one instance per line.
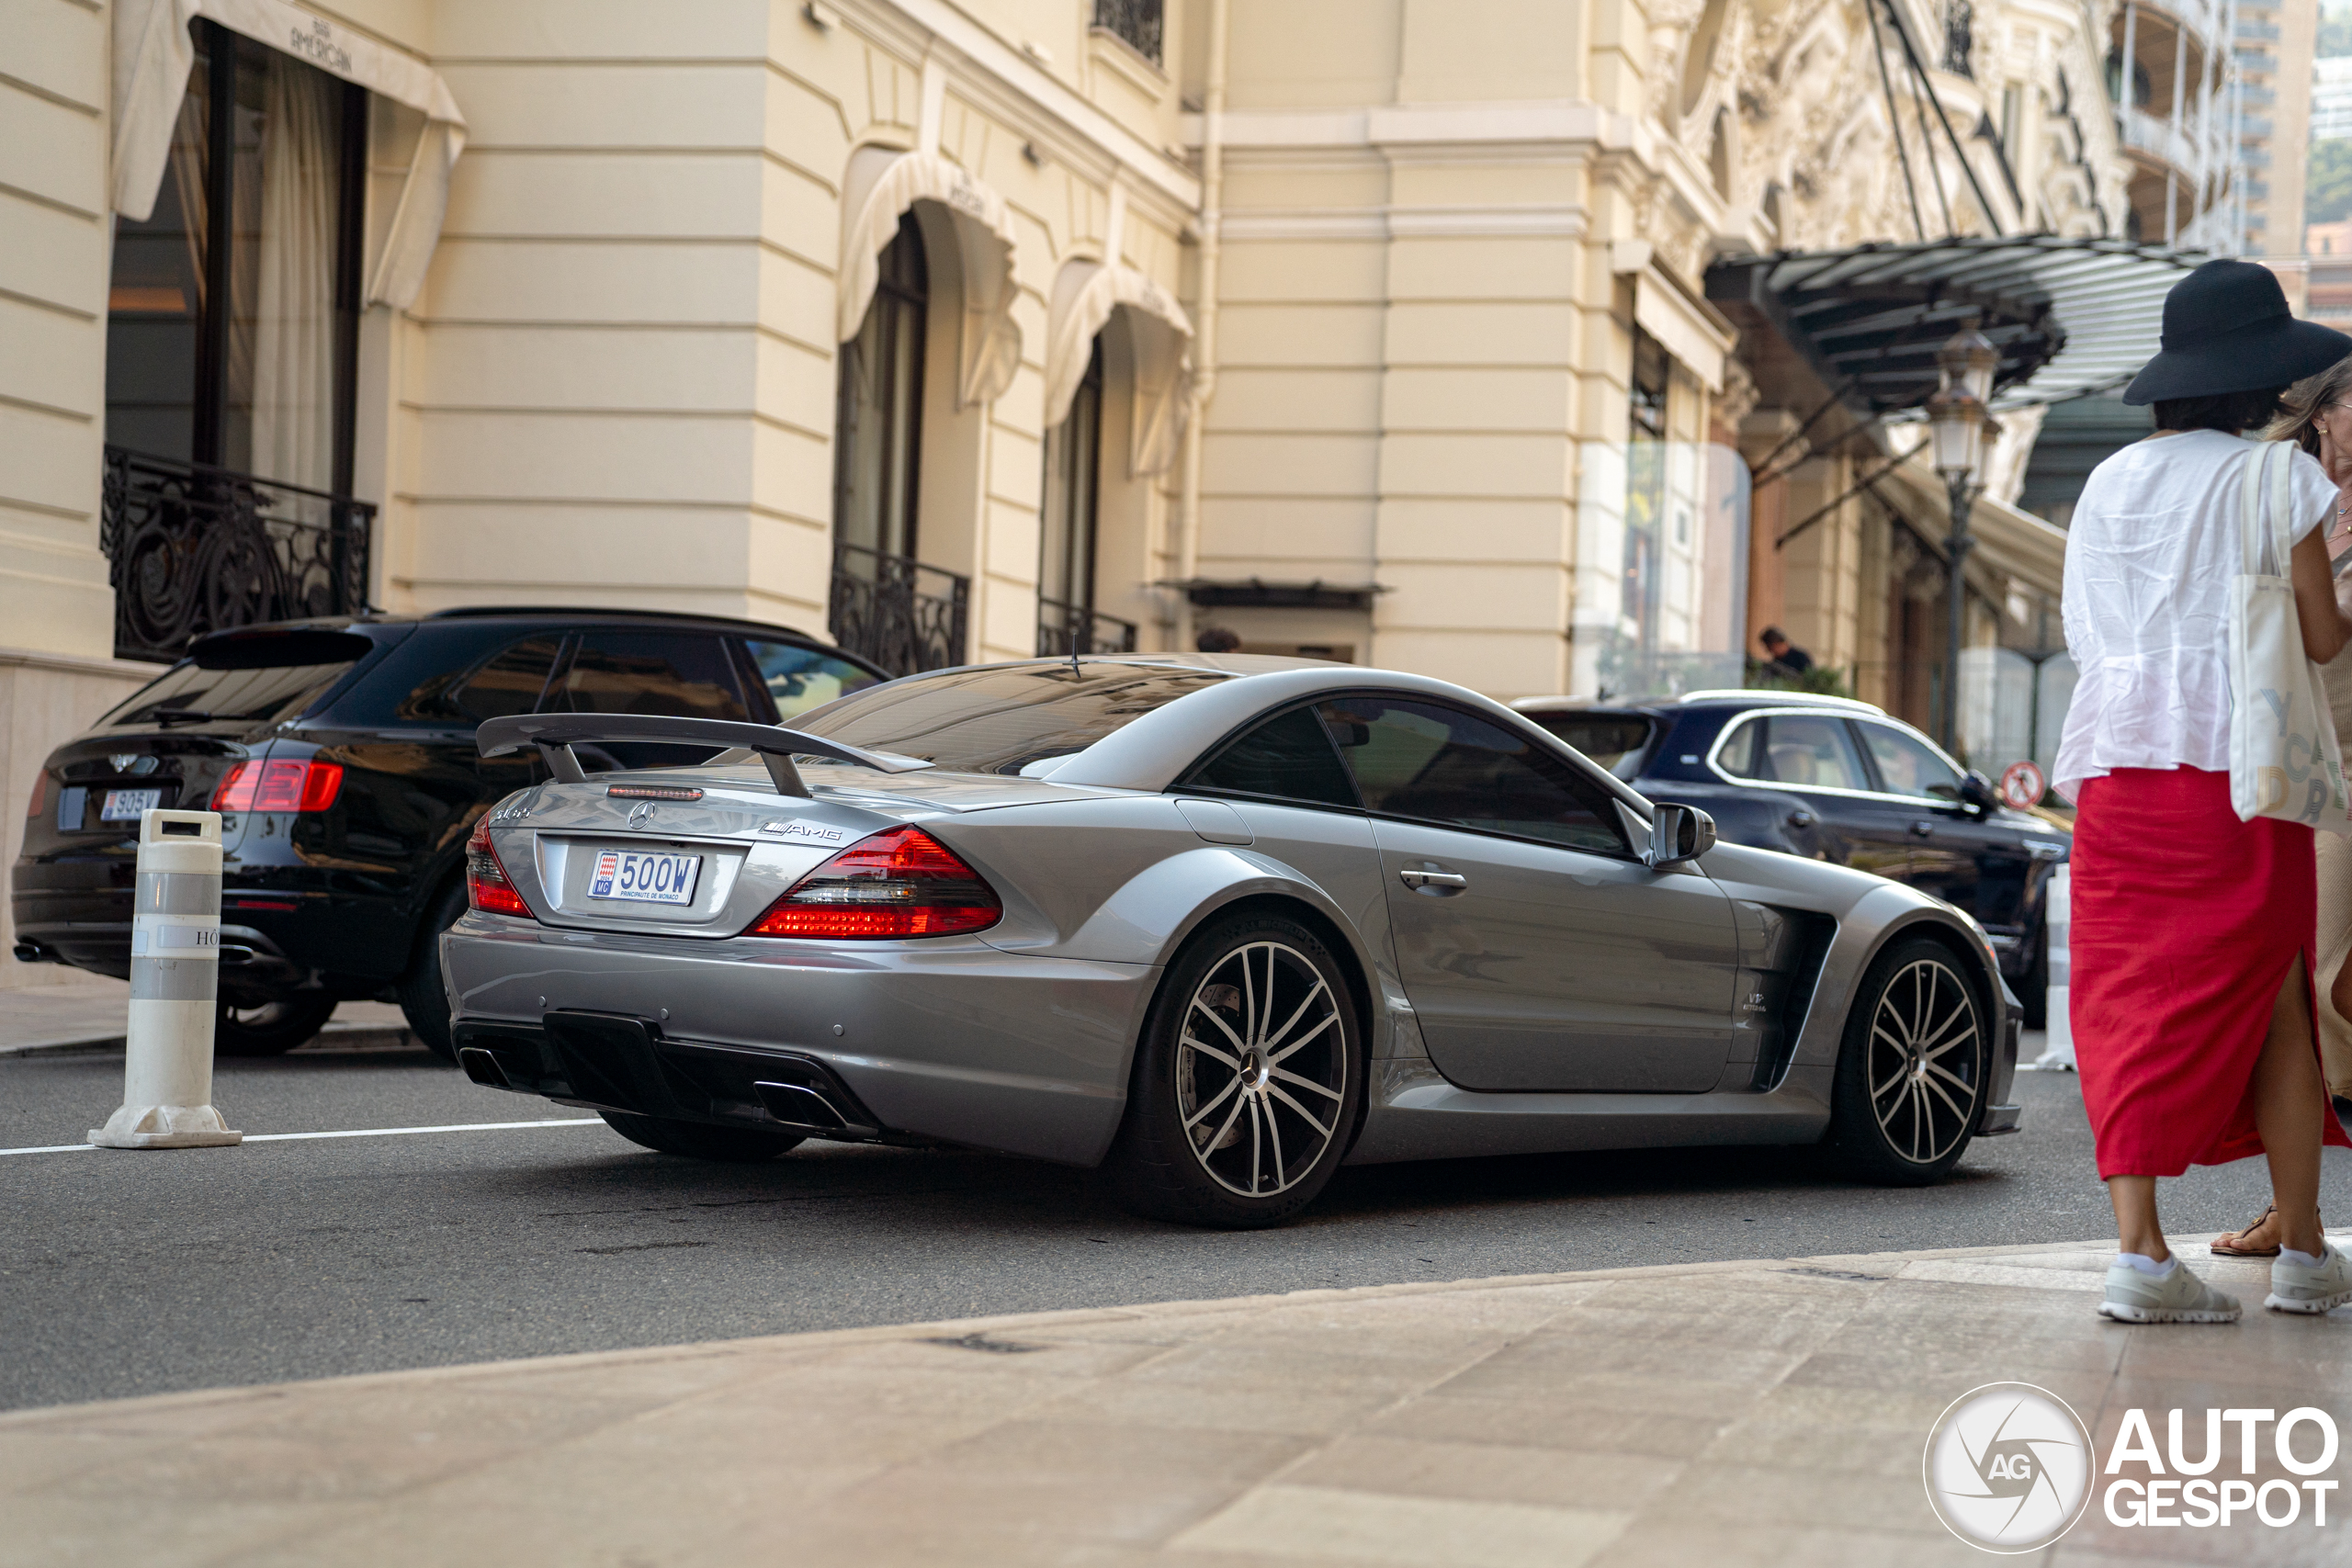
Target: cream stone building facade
973	329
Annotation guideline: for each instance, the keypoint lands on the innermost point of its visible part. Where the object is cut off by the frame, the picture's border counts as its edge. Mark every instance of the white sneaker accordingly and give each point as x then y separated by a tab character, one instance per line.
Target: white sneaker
2179	1297
2309	1288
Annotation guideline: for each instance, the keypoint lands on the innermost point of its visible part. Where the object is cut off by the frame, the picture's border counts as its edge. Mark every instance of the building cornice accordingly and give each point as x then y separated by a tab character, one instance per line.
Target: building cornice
1031	100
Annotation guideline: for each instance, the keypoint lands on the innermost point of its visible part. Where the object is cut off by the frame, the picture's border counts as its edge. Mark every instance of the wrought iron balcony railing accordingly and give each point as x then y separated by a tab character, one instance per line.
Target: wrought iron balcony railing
1064	630
1139	22
904	616
193	548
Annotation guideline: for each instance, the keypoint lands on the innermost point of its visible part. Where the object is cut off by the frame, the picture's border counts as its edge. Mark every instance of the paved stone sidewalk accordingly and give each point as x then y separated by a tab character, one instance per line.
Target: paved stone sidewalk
1716	1413
89	1016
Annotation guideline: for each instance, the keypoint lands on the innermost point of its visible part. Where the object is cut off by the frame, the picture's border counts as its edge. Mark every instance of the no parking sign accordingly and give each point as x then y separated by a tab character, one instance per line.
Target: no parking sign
2022	785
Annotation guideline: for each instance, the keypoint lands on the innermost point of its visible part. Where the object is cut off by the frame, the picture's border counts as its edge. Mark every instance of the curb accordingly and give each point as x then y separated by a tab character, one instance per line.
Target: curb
333	1037
1043	1322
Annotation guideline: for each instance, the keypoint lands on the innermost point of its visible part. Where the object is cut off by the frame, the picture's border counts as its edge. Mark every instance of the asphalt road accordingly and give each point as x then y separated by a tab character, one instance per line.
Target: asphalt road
142	1273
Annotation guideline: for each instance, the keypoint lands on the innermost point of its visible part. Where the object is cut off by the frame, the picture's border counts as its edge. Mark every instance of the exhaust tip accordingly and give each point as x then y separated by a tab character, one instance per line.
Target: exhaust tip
482	1067
34	952
809	1107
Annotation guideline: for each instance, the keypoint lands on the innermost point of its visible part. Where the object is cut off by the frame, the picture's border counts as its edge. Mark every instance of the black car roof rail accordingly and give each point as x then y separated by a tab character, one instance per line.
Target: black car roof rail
587	611
556	733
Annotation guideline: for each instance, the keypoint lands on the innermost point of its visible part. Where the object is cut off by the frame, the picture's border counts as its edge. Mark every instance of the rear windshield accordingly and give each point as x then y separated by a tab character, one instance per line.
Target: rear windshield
999	720
1618	741
189	694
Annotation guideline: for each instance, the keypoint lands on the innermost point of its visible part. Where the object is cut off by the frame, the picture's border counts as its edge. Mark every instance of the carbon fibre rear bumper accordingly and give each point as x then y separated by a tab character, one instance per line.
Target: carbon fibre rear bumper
942	1041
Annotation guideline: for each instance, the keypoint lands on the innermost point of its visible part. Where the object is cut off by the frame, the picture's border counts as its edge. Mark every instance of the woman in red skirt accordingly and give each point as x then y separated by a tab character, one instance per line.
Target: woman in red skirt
2193	929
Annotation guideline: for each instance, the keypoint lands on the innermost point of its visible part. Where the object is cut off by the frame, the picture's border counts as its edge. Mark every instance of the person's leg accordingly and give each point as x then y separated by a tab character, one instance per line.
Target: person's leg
2136	1226
2289	1109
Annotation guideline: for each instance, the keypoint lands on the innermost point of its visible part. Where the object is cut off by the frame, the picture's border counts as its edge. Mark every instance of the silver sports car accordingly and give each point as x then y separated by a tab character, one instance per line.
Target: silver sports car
1219	923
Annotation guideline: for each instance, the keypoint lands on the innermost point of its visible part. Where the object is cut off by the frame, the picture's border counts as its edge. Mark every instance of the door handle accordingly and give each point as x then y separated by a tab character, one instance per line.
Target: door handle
1924	829
1447	881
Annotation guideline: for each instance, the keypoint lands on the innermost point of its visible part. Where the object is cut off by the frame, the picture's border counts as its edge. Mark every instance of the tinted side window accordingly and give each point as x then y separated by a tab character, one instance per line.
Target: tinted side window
1810	750
1908	768
1287	758
802	678
509	681
1440	764
1743	755
650	673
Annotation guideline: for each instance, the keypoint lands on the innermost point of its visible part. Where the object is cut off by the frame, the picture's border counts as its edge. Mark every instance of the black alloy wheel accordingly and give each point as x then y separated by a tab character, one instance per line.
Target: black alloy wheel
1248	1080
699	1139
270	1028
1912	1076
425	1000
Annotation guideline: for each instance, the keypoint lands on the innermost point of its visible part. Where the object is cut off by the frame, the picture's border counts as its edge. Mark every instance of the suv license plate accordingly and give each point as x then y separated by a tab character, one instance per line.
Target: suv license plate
644	878
125	805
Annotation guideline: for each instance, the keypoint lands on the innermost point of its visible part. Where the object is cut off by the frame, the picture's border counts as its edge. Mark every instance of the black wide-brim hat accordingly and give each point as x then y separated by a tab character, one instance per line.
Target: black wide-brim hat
2227	329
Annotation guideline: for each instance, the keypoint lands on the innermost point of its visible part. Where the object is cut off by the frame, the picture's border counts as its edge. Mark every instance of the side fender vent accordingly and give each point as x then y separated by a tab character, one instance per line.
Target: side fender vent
1802	978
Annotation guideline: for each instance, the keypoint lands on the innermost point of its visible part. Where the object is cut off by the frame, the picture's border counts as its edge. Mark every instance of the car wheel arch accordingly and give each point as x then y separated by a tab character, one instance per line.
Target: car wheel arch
1287	904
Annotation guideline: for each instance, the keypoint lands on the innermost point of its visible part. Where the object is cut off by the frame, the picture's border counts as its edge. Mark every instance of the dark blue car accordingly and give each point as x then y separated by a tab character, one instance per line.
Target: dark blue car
1837	780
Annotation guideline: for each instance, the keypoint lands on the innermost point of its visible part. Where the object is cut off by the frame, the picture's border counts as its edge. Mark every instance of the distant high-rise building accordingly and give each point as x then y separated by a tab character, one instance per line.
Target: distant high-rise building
2274	38
2331	99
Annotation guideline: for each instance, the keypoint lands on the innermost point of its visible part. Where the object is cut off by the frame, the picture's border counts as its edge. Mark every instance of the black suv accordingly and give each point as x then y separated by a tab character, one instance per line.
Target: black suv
340	753
1834	779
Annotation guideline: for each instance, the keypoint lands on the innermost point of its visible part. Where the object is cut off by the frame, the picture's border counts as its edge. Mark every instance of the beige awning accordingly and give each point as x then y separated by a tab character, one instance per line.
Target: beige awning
883	184
152	57
1087	296
2010	545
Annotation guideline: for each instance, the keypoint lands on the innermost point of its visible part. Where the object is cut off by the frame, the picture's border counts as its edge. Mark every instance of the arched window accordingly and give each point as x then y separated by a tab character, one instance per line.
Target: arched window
878	440
1073	495
1699	59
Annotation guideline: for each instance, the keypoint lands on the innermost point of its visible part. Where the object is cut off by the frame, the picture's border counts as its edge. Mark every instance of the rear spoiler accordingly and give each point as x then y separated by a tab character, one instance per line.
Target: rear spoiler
556	733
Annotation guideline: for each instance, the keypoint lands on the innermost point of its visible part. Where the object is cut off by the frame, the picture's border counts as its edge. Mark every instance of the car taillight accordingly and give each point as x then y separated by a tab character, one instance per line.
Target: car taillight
41	794
900	883
279	786
487	889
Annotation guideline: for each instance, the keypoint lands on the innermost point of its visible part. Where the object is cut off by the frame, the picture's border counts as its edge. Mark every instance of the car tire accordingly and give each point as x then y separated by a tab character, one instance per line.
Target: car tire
1211	1136
425	1000
270	1028
698	1140
1913	1073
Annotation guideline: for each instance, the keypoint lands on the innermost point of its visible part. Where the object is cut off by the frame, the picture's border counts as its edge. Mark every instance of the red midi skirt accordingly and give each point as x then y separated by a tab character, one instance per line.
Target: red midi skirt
2185	920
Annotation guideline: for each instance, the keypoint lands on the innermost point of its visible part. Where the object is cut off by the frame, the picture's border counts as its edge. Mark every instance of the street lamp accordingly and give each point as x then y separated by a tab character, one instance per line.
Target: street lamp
1960	424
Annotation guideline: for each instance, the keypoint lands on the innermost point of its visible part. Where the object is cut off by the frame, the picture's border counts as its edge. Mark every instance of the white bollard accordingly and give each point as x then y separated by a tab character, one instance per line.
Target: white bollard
174	984
2059	1053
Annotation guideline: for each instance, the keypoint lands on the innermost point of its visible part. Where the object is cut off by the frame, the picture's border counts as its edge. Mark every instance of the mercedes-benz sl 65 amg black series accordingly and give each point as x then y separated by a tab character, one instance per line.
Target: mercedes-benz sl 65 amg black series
1221	923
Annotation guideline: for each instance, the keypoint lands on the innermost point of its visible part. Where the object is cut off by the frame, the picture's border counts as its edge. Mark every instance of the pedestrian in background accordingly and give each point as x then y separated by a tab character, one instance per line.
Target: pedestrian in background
1219	639
2316	414
2192	934
1782	656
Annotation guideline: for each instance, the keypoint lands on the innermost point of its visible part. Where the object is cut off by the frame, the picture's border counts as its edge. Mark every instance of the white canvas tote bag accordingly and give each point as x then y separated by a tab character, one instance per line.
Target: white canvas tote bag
2283	757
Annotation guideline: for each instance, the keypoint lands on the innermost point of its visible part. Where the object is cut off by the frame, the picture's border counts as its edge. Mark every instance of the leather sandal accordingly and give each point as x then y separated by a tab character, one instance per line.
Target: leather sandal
2228	1244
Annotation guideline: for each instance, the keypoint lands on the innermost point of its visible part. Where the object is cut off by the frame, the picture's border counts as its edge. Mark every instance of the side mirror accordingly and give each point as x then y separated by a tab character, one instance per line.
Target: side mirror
1677	833
1977	793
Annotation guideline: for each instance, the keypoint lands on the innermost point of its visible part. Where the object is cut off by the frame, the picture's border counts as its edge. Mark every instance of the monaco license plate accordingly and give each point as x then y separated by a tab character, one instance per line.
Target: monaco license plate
125	805
642	878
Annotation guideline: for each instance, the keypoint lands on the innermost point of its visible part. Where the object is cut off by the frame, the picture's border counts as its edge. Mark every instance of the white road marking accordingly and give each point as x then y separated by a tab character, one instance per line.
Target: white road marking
355	1132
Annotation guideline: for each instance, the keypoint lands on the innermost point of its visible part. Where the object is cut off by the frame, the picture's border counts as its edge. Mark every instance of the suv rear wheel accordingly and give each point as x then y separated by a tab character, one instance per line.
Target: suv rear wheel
271	1028
425	1001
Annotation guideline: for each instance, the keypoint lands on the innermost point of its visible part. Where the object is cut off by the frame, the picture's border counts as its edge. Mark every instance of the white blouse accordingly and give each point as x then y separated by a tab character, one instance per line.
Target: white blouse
2150	554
